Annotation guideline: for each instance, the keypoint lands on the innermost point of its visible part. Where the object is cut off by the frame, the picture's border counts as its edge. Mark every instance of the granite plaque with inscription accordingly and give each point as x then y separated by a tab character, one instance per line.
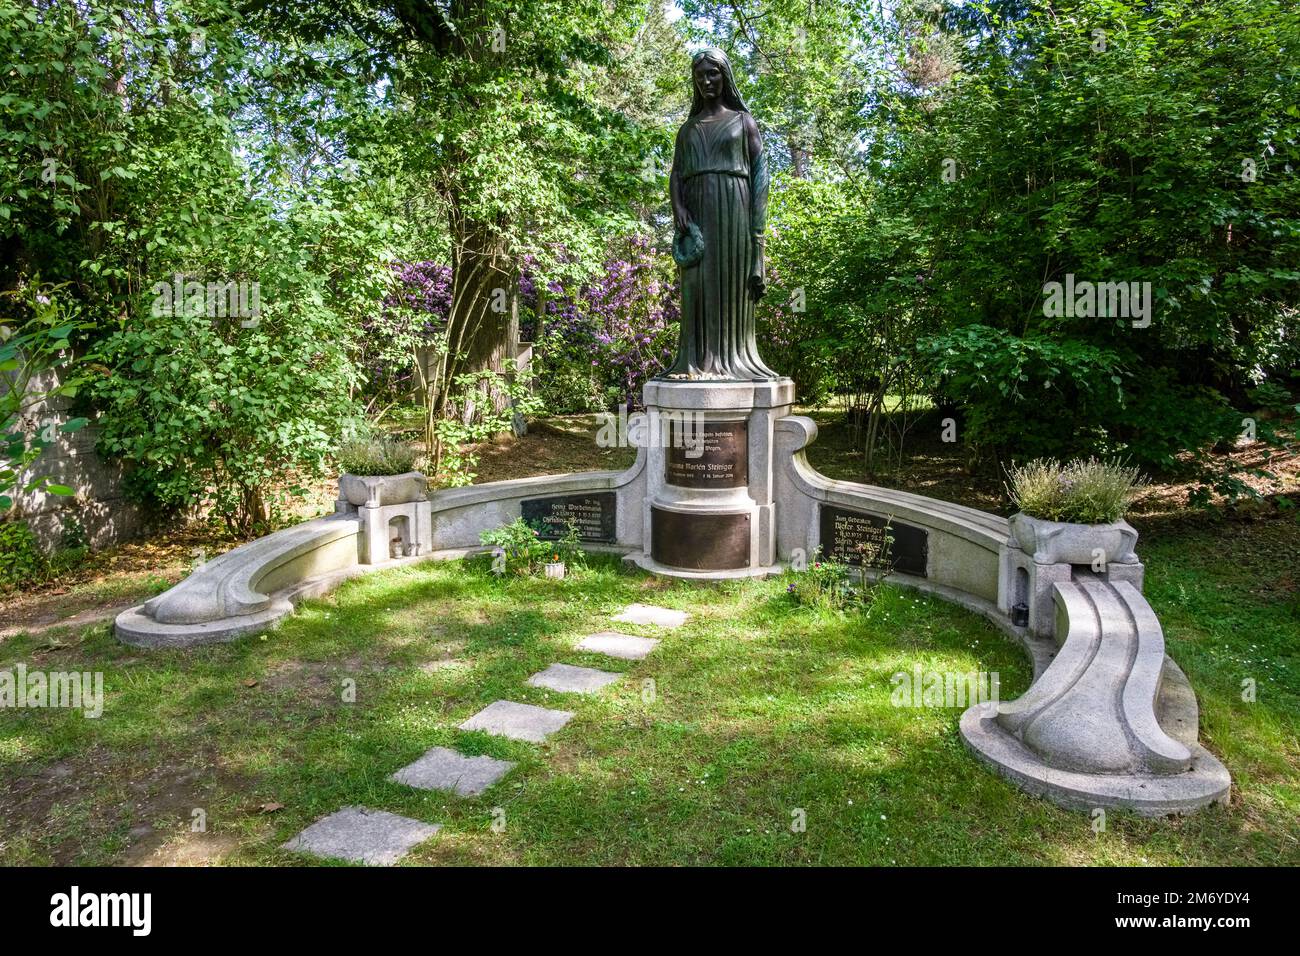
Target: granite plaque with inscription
709	455
860	539
593	514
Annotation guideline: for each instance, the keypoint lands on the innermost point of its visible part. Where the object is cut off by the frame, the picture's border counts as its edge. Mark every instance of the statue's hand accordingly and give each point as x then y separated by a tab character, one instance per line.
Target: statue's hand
757	287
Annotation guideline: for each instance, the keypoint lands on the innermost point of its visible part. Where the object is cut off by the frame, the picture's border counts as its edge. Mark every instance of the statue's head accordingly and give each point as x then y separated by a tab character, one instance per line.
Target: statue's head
712	80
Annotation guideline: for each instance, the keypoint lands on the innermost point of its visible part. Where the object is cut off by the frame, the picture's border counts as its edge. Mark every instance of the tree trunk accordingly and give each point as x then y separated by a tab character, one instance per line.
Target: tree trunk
799	160
483	325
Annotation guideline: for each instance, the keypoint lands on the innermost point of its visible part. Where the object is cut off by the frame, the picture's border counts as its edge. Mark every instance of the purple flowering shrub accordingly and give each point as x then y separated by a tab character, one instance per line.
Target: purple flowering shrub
597	347
414	315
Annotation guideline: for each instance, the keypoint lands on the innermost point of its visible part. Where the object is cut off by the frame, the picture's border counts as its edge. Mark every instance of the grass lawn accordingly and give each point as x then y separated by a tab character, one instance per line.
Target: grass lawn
760	708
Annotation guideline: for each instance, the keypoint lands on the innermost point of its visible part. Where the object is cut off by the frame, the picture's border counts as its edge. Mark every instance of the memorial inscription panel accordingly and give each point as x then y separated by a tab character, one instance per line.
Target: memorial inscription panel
593	515
860	539
708	455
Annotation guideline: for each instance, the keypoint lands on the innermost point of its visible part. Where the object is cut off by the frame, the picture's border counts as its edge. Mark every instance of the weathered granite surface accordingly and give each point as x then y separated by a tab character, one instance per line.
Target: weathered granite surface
361	835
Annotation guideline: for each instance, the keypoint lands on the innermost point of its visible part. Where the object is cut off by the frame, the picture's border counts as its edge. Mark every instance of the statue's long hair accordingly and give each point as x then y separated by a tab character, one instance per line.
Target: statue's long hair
730	95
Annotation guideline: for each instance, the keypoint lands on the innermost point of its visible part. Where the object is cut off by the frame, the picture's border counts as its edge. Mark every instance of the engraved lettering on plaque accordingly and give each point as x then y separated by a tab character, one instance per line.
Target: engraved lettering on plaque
717	456
593	515
867	540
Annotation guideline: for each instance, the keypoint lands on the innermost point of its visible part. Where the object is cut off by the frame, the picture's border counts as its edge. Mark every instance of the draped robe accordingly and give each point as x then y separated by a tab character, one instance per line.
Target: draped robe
726	197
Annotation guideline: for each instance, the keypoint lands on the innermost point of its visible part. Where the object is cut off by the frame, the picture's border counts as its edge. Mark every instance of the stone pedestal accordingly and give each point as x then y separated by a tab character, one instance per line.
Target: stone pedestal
1022	580
392	508
709	506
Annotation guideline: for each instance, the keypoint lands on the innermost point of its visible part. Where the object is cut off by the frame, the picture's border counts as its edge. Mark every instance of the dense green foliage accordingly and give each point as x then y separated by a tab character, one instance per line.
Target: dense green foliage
1128	164
1108	140
300	152
35	366
21	560
210	409
939	167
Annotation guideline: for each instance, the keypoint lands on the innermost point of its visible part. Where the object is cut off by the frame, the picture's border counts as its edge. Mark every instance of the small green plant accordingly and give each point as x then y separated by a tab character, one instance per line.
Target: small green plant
21	560
519	547
73	549
157	584
378	455
74	536
568	548
1083	491
828	585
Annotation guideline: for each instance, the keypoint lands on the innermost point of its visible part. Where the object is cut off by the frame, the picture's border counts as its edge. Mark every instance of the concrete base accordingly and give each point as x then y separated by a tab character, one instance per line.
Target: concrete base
1206	782
135	626
647	563
1023	580
731	487
1110	721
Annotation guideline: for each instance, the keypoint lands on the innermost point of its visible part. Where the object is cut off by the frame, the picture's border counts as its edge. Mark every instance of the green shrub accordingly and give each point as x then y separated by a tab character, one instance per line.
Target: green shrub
1272	397
568	388
376	456
1084	491
21	561
33	342
524	550
521	546
219	411
829	585
456	434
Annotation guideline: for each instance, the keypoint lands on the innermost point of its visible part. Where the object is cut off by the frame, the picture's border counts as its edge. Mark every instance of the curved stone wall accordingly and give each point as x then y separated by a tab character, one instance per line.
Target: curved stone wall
1109	720
460	514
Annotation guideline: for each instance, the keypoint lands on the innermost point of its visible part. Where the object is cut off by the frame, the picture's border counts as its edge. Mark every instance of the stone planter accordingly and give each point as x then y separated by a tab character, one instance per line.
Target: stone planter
376	491
1061	542
554	569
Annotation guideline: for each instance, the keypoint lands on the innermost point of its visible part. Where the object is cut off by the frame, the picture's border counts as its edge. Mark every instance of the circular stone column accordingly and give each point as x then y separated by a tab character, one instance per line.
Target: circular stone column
709	507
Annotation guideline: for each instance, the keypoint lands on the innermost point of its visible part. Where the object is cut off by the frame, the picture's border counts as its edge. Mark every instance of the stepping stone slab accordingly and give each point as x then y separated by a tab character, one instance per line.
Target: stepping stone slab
572	680
518	721
649	614
443	769
362	836
623	646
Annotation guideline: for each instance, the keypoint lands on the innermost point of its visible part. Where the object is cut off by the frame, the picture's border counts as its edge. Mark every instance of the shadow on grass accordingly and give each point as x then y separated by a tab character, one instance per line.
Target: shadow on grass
754	715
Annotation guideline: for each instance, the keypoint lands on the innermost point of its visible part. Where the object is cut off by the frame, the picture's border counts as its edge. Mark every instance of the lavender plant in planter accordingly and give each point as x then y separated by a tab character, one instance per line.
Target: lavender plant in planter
378	472
1073	513
374	491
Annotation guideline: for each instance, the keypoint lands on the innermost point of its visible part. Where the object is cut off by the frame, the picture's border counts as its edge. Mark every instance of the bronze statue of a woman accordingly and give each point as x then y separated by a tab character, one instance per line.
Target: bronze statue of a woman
719	194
